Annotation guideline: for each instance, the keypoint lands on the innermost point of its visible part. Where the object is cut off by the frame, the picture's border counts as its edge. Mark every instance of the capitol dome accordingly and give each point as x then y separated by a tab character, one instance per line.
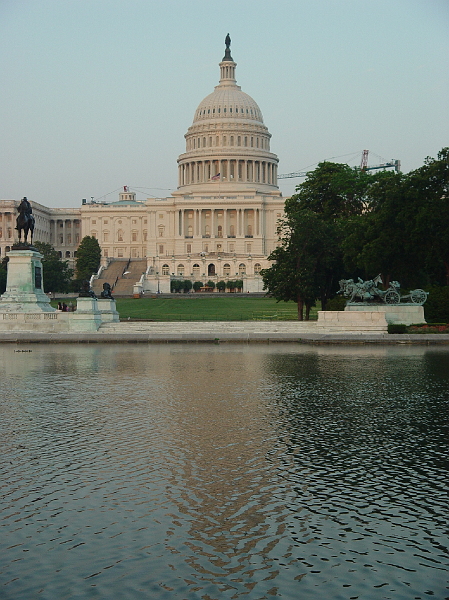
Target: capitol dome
228	141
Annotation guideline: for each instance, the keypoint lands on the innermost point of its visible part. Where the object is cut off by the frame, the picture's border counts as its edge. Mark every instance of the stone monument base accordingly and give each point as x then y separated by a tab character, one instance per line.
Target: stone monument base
340	321
107	310
403	314
87	317
24	286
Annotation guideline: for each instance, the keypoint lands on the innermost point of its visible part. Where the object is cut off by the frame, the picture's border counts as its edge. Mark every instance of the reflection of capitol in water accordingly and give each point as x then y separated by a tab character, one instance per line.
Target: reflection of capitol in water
222	471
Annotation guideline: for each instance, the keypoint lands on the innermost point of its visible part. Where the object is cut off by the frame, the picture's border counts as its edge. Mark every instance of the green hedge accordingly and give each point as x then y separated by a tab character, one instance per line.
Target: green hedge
436	308
336	303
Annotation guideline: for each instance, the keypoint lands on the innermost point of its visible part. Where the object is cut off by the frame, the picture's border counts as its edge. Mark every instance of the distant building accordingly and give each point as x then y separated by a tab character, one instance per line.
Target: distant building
219	224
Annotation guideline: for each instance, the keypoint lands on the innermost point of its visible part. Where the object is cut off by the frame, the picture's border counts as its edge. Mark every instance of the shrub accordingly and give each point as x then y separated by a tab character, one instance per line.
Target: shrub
176	285
397	328
436	308
197	285
186	285
336	303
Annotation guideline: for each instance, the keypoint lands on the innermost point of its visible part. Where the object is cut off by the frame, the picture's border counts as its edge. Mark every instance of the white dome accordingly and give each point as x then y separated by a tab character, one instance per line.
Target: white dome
228	141
228	102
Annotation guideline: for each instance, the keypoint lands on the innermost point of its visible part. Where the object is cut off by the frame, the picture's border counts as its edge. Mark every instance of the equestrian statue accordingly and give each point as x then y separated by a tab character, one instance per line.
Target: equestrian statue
25	221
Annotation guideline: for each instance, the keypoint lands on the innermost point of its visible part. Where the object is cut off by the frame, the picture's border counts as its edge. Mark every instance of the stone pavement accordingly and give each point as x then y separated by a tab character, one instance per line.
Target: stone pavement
218	332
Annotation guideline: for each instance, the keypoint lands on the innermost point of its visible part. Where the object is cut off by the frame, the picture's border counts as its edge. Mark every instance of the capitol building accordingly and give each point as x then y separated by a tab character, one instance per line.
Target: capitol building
220	223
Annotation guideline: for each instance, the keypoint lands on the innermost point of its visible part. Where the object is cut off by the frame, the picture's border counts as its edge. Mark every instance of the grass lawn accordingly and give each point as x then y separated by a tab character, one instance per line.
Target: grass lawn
216	308
190	307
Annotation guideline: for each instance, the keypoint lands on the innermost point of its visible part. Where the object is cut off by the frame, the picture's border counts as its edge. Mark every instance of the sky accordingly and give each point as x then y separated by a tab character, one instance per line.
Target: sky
98	94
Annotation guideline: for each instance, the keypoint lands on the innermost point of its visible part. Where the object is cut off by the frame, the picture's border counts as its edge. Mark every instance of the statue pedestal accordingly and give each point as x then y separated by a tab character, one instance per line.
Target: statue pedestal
87	317
24	285
403	314
340	321
108	311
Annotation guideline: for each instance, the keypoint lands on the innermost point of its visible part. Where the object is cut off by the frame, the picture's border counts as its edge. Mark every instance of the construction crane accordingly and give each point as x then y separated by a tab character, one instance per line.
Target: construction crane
396	164
393	163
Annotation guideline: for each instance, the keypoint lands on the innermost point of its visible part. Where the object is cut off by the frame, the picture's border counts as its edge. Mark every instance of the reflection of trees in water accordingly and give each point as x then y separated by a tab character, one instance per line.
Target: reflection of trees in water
355	429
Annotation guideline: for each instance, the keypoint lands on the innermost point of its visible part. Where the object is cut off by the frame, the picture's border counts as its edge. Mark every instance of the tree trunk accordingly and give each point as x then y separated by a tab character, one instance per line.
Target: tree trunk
323	301
300	309
308	307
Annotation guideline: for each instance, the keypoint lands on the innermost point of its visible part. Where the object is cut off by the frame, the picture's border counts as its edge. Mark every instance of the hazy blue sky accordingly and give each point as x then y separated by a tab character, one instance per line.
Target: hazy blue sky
97	94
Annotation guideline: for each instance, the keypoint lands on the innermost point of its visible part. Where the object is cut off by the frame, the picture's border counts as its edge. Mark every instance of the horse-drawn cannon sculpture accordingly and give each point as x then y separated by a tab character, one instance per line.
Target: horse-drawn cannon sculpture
367	291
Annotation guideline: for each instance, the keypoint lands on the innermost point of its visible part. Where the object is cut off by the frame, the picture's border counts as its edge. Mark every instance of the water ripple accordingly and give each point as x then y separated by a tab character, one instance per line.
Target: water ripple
222	473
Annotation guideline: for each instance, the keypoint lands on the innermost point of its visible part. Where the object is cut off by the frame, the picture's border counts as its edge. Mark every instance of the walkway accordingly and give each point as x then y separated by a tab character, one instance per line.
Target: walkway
220	332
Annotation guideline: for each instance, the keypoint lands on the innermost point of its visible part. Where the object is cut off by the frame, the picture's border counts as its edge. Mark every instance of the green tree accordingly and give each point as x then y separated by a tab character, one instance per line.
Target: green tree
334	190
301	262
176	285
221	286
88	257
186	285
404	231
197	285
3	274
210	284
57	275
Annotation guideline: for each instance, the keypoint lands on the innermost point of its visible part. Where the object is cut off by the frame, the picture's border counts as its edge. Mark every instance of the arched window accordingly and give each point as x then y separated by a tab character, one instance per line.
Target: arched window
257	268
196	269
134	236
106	236
67	254
165	270
226	269
242	269
161	230
211	269
220	231
180	270
120	235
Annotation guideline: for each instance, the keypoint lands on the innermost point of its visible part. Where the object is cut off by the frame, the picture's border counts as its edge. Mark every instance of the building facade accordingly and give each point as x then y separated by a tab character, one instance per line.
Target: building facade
220	223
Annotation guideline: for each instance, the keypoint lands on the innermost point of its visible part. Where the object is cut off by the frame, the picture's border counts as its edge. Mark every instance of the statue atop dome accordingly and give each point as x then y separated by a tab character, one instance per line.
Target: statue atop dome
227	55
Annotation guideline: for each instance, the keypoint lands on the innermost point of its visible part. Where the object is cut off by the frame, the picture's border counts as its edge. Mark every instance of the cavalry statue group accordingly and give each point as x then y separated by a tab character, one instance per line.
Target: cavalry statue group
368	291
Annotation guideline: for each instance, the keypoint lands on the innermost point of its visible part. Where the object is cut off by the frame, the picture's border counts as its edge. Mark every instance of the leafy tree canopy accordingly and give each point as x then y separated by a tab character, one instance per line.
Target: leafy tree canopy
57	275
88	257
334	190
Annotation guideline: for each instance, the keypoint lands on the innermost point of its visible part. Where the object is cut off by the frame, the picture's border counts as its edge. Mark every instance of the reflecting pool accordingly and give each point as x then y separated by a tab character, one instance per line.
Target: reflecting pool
223	472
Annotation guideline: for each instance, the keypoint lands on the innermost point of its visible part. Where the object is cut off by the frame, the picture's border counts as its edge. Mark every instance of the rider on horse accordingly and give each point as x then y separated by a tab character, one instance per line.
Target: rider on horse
25	220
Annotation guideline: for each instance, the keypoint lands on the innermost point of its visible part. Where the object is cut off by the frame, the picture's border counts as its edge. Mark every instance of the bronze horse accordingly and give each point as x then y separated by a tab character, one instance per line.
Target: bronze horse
25	221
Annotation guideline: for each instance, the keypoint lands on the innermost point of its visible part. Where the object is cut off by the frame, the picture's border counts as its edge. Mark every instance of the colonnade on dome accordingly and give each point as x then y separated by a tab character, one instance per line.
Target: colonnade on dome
228	170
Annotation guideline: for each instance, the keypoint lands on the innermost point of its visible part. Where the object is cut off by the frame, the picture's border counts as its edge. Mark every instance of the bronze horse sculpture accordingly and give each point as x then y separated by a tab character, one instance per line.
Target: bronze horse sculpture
25	221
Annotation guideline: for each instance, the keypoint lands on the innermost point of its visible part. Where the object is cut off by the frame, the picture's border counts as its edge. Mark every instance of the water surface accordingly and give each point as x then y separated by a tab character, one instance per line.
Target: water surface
223	472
